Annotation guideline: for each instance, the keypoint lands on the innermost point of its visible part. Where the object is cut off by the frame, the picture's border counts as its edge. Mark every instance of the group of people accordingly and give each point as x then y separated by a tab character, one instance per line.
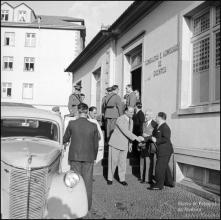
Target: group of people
124	125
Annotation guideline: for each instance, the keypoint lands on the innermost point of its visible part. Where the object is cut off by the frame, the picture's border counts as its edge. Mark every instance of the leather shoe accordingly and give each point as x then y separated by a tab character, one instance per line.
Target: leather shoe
109	182
124	183
142	181
150	182
155	188
170	185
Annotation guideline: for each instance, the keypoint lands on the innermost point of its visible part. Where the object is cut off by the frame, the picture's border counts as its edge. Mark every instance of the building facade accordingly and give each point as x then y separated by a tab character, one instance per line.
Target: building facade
35	51
170	51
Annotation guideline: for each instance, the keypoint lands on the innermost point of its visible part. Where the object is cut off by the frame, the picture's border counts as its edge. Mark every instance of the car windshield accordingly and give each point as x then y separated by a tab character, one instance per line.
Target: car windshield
30	128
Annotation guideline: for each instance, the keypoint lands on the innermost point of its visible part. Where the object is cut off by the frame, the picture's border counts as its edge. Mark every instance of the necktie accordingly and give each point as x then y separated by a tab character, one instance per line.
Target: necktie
129	125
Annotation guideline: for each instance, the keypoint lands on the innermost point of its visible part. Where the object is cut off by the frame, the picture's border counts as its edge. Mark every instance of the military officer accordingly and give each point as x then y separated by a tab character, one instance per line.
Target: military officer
104	121
107	91
112	110
74	100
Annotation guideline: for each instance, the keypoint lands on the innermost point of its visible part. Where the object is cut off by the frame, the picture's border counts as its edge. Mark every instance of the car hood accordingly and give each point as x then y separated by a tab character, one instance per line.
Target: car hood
38	152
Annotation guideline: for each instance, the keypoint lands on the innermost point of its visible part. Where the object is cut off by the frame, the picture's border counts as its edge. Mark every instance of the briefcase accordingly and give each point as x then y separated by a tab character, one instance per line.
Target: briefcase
152	148
141	146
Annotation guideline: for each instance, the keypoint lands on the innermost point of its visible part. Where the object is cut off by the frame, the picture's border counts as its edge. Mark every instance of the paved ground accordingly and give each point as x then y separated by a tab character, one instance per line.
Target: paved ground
136	202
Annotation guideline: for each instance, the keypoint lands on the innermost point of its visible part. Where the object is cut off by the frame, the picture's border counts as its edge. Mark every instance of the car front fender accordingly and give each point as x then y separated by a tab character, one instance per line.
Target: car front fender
64	202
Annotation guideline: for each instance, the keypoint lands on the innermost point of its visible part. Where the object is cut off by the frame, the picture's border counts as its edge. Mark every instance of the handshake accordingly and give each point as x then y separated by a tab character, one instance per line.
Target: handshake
139	139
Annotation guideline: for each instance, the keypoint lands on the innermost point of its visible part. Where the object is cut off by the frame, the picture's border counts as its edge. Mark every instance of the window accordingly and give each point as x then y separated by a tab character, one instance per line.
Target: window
205	59
199	81
22	16
6	90
9	38
27	92
30	40
135	57
7	63
4	15
29	64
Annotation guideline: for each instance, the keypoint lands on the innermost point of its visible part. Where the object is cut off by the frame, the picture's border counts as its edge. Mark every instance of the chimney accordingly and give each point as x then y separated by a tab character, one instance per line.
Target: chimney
39	21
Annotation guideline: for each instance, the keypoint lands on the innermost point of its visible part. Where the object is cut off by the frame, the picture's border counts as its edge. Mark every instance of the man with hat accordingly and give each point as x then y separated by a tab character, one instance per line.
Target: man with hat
112	110
108	90
74	100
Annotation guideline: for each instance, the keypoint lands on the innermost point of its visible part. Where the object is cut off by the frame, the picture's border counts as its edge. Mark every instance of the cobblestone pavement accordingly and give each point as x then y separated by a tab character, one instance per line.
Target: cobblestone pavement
135	201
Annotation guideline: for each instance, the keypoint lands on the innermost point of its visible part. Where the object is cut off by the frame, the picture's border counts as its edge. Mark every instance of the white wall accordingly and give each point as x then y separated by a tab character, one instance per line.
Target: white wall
160	92
161	26
54	51
85	75
10	9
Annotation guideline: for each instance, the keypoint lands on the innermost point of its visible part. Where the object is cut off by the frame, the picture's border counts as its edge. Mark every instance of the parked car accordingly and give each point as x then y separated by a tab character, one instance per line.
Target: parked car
33	185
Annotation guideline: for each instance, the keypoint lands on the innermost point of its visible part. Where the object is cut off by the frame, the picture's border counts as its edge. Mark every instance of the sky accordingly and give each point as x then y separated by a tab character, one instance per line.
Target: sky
94	13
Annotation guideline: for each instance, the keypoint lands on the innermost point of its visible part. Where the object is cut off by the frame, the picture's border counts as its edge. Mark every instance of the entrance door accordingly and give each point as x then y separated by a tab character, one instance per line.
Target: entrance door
96	86
136	80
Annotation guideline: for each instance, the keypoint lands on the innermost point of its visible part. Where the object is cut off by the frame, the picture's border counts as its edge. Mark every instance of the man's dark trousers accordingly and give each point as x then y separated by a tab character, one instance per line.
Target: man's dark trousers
86	171
163	173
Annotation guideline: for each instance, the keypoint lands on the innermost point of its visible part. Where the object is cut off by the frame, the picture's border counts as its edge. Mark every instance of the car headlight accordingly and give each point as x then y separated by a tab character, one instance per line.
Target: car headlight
71	179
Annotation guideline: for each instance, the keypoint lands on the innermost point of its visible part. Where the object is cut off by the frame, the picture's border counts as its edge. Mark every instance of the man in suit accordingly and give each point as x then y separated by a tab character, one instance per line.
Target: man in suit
131	97
113	109
138	120
74	100
92	114
148	153
161	136
119	144
83	147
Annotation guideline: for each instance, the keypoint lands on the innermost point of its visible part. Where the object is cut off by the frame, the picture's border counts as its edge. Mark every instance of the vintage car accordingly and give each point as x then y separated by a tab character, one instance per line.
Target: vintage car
33	185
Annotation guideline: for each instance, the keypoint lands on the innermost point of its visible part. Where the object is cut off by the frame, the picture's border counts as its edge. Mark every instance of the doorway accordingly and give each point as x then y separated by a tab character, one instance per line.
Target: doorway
136	80
96	89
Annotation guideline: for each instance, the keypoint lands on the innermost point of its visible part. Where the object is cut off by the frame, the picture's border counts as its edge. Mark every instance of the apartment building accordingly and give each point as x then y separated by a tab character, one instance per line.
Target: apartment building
170	52
35	49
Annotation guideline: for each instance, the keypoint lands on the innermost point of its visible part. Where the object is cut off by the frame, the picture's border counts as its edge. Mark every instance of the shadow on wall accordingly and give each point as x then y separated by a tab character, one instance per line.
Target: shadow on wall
57	210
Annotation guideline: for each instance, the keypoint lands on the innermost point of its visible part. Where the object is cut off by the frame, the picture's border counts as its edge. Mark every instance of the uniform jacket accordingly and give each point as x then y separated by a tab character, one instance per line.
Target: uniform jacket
113	106
122	134
138	120
73	102
163	142
84	140
131	99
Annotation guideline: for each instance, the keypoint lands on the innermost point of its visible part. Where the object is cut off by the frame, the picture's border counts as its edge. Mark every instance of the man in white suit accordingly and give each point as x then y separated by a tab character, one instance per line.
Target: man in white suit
119	144
92	114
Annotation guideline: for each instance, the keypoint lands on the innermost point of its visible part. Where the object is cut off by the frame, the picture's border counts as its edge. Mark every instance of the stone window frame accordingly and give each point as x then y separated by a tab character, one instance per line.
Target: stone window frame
30	40
6	86
29	86
10	61
11	37
22	14
4	15
28	60
184	104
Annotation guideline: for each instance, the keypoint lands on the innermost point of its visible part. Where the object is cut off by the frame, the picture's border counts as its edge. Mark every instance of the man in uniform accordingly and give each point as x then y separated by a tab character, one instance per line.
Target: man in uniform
74	100
107	91
112	110
131	97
